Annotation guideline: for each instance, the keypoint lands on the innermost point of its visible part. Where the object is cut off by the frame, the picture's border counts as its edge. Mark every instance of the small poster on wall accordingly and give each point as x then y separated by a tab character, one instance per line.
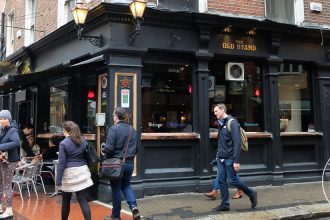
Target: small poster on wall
125	98
220	93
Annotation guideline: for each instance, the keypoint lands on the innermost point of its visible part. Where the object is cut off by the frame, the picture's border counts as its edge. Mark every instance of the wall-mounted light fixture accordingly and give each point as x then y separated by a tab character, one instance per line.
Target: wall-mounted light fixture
79	13
228	29
252	32
137	8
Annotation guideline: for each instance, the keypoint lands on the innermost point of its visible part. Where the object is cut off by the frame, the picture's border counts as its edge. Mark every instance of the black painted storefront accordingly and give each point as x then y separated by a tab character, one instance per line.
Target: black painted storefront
179	162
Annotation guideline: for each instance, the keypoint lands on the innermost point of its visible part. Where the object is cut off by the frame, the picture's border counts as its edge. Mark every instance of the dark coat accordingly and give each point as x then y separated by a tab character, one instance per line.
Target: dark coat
10	141
117	139
229	143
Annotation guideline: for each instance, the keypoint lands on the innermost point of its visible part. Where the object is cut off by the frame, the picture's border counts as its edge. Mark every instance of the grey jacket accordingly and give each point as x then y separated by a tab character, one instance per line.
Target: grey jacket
10	141
117	139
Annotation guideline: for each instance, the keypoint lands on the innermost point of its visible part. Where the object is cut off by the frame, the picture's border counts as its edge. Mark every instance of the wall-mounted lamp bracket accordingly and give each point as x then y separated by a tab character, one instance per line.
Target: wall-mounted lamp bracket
137	22
95	40
174	38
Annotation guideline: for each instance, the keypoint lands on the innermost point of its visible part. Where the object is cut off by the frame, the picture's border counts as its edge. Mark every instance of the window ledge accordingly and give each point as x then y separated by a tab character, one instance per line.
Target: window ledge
255	135
88	137
293	134
169	136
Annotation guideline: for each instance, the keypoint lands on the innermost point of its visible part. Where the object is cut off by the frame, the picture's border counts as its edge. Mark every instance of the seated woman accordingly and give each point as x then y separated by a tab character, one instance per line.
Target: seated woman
33	146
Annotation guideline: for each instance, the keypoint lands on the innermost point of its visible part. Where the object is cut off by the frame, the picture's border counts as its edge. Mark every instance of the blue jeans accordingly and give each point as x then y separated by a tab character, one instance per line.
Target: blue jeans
123	185
226	171
216	184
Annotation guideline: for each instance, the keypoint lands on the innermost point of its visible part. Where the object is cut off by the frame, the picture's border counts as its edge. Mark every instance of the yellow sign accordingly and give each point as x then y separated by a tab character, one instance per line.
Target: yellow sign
239	45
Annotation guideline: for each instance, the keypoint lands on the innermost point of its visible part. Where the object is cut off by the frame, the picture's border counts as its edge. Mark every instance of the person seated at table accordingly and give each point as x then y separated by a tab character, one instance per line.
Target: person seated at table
33	146
50	153
27	130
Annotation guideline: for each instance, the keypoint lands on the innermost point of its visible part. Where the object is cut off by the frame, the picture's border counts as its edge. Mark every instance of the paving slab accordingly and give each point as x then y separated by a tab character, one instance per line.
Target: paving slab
291	213
317	210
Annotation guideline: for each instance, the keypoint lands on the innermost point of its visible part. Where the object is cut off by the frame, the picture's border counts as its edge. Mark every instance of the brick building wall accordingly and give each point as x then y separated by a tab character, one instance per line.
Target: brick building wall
243	7
317	17
45	19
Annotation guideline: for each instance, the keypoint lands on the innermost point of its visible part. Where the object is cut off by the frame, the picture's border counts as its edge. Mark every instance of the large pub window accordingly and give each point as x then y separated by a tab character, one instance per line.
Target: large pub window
166	98
238	86
58	108
295	106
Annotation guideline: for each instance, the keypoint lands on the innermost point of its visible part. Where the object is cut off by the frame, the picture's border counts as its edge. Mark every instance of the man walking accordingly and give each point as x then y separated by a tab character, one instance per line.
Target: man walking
228	152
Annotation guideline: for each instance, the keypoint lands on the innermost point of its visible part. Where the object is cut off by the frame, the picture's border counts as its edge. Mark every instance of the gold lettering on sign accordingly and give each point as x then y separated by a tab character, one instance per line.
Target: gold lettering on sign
239	45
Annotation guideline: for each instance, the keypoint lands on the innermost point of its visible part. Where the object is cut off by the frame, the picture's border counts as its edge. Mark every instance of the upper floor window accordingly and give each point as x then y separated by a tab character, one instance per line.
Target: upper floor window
30	13
64	14
10	34
285	11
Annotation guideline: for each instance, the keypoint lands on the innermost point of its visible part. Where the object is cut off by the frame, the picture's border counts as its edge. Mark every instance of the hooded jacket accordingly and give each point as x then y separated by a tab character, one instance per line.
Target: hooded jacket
10	141
117	139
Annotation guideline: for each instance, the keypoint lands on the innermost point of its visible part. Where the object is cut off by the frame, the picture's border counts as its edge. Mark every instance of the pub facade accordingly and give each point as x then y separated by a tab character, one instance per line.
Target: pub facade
274	78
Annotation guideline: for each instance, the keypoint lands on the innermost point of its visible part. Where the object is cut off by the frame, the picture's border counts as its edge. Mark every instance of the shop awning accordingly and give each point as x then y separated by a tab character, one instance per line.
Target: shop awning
20	80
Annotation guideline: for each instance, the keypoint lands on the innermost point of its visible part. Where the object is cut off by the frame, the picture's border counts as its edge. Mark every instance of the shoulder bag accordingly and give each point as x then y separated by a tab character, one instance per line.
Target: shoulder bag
113	168
91	155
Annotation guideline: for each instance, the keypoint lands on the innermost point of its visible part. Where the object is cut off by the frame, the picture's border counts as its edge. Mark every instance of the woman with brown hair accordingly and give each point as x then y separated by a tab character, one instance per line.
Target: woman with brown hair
73	174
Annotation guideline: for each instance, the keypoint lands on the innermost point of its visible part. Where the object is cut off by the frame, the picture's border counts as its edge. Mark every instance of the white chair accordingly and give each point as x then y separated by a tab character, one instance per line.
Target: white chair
26	178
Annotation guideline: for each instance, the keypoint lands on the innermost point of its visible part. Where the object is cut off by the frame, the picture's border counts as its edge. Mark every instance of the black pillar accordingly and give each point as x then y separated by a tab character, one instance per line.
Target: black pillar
272	125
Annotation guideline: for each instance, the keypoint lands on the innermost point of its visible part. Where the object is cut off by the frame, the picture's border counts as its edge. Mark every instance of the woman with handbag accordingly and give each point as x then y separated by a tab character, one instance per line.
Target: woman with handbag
10	143
73	174
122	143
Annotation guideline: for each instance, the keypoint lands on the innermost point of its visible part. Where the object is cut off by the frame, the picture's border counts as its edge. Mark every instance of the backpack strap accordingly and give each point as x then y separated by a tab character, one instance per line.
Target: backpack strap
229	124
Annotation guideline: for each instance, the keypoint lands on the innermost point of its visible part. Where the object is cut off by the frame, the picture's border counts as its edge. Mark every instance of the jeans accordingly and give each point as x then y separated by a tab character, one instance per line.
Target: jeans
216	184
226	171
123	185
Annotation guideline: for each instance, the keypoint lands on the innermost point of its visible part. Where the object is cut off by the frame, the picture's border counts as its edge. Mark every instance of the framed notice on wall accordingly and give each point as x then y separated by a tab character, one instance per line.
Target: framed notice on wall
125	94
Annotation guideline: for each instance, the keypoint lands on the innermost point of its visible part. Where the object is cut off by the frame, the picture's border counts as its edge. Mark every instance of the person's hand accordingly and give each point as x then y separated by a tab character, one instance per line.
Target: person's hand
236	166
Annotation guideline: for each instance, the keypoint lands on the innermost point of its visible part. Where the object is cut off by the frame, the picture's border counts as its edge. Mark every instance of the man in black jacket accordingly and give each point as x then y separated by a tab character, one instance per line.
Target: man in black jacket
228	155
120	135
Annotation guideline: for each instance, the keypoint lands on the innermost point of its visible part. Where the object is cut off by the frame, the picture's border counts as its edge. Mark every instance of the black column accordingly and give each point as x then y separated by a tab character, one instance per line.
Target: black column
121	63
271	114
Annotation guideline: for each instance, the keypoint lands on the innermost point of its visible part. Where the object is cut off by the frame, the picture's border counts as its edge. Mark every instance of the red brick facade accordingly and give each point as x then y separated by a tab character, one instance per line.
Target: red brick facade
317	17
243	7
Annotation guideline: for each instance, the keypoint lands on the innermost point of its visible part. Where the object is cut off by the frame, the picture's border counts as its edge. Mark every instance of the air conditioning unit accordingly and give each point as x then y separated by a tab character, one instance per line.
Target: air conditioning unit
235	71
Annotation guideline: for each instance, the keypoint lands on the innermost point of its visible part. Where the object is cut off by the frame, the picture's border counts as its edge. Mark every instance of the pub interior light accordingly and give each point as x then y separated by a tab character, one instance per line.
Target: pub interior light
228	29
79	13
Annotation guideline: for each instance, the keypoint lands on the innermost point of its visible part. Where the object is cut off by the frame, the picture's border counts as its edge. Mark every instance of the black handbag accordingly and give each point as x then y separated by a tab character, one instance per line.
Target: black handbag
91	155
113	168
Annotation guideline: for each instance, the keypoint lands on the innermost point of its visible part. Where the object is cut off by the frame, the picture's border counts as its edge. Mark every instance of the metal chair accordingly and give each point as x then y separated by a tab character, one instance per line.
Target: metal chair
26	178
37	175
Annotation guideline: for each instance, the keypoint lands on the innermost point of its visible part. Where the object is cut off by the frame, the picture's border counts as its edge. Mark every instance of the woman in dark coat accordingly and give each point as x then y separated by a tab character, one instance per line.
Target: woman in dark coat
10	143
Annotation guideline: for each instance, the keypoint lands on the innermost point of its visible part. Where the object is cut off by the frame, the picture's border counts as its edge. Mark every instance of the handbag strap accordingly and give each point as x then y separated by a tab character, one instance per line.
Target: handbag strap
126	147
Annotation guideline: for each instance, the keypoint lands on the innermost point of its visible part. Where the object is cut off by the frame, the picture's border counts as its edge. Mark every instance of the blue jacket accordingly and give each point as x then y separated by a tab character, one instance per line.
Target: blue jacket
10	141
117	139
70	155
229	143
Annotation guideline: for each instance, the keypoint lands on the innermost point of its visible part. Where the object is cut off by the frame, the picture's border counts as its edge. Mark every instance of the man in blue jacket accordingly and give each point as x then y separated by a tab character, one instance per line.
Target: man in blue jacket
228	153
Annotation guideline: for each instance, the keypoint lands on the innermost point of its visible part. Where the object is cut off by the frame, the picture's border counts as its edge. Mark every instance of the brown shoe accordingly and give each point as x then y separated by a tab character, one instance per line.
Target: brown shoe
212	195
238	194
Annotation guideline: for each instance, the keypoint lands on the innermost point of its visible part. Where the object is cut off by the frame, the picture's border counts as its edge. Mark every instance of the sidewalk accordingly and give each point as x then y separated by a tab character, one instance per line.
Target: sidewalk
291	201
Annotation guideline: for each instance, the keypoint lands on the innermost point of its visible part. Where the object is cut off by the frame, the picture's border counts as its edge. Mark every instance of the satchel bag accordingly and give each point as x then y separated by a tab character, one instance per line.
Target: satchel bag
91	155
113	168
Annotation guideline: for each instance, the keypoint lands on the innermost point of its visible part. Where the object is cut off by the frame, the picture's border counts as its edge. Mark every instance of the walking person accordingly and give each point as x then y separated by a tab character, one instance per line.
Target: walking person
10	143
73	174
117	138
228	155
